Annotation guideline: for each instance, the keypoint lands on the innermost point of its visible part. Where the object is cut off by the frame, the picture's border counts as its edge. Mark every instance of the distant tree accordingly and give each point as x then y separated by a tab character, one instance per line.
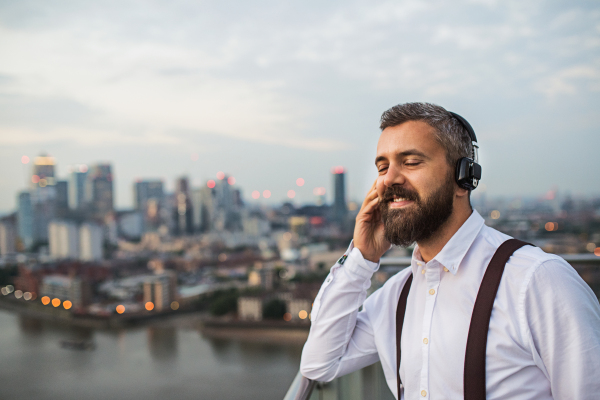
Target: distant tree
7	274
274	309
224	303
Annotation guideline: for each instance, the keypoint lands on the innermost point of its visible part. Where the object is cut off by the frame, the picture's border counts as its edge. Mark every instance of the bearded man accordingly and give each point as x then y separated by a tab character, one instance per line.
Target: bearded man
441	327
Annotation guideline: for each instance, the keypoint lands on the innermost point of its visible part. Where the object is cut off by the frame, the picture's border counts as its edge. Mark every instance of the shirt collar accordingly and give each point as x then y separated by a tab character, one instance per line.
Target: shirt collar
454	251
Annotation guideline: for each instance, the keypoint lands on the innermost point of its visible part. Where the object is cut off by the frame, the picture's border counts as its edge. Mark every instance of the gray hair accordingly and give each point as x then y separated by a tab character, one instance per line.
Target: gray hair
449	132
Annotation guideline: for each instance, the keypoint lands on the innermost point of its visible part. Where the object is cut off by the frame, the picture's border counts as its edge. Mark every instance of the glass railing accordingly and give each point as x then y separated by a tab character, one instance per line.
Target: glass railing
367	383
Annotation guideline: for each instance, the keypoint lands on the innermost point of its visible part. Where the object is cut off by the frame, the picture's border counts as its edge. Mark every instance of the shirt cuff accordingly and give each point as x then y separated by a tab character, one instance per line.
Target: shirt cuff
358	264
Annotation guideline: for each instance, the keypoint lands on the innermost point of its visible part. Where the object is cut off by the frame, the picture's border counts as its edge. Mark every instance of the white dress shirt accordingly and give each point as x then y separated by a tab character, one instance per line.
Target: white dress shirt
543	339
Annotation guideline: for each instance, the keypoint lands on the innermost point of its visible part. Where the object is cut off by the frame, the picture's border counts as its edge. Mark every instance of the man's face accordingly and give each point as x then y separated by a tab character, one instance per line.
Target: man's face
415	186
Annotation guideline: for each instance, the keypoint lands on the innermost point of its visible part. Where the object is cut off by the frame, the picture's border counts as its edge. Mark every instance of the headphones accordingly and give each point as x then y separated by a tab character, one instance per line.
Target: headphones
468	172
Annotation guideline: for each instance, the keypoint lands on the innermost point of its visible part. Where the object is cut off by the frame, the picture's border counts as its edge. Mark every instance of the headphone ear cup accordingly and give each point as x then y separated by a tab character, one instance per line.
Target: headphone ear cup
468	173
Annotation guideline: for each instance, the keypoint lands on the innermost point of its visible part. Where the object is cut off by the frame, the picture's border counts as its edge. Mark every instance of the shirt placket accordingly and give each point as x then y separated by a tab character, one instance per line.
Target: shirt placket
432	279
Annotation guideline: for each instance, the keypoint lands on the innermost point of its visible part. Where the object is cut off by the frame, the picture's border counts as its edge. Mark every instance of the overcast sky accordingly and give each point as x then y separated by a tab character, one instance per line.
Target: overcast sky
270	91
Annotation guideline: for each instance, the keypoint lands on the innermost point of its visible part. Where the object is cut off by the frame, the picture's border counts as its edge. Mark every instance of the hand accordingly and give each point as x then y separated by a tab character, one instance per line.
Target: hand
368	231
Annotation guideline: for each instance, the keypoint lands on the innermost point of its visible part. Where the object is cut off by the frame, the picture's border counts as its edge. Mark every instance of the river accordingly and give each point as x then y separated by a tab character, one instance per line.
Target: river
163	361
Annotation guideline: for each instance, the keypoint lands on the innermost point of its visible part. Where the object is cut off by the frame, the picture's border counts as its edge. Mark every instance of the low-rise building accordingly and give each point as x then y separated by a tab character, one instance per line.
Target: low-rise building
66	288
250	308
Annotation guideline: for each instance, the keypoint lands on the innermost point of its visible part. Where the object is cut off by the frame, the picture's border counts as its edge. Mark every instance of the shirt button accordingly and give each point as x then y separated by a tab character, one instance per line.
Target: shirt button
445	269
422	271
423	393
431	291
328	279
425	341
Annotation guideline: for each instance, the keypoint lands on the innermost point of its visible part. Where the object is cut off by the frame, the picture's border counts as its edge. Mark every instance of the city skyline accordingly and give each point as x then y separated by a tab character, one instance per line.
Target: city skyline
275	91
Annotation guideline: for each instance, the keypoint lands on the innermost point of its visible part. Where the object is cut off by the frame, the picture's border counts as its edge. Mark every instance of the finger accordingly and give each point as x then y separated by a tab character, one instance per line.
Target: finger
370	206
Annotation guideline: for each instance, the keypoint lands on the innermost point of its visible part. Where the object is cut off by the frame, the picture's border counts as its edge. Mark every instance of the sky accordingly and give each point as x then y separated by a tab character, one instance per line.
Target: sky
272	91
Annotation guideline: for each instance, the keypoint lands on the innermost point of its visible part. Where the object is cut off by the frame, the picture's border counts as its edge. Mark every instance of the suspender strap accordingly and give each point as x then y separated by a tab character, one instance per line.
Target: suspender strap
474	374
400	311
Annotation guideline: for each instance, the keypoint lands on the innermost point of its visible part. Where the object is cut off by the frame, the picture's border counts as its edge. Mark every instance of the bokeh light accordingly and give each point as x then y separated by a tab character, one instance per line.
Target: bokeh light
43	182
300	182
591	247
255	194
45	300
220	175
287	236
495	214
222	257
174	305
35	179
120	309
551	226
287	316
27	296
302	314
25	160
10	288
67	304
319	191
4	291
56	302
338	170
18	294
83	168
211	184
149	306
266	194
291	194
231	180
597	251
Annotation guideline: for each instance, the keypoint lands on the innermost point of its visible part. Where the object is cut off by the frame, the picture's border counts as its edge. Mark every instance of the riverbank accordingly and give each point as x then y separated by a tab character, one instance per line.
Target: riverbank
277	332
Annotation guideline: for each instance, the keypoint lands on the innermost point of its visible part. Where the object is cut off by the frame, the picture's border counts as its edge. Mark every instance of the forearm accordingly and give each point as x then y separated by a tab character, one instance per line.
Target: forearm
340	341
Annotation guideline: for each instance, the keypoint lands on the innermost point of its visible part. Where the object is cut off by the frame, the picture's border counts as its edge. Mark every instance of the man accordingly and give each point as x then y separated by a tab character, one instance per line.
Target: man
543	340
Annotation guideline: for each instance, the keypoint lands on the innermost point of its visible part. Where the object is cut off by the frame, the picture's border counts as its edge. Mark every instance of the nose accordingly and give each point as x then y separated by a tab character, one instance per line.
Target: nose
393	177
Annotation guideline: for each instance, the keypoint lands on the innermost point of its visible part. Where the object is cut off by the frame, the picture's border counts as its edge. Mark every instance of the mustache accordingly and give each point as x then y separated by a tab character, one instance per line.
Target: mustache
398	191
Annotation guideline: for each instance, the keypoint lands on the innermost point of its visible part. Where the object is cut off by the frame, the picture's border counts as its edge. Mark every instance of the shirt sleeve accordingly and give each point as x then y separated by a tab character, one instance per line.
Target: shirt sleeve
341	339
563	316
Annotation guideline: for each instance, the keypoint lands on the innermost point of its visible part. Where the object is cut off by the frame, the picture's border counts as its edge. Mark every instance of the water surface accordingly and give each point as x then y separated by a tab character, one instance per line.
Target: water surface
163	361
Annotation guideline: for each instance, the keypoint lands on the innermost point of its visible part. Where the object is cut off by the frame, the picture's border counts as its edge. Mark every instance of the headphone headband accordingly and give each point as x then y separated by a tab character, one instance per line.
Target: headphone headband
466	125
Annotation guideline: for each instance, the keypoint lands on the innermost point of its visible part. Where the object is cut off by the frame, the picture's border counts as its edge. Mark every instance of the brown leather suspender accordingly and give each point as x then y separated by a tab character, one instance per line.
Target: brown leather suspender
474	372
400	311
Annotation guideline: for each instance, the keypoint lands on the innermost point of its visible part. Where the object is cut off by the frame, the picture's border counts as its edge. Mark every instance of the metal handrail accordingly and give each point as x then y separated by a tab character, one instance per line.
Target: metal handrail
300	389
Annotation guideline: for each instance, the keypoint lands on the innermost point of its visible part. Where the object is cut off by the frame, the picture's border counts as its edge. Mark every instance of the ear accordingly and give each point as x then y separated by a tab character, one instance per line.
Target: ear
460	192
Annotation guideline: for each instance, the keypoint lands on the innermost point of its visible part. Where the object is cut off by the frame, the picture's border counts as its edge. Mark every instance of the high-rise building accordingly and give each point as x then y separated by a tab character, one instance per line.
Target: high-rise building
77	183
203	203
183	212
146	190
61	201
8	235
25	219
99	189
43	171
91	238
149	200
340	209
63	239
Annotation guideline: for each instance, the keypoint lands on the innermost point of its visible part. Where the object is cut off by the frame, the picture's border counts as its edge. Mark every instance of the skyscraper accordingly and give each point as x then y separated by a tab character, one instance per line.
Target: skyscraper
77	180
43	171
25	219
149	200
340	209
61	202
99	189
183	214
